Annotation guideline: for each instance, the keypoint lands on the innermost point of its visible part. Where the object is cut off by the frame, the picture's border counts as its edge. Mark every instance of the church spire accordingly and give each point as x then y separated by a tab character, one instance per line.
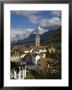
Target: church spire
37	37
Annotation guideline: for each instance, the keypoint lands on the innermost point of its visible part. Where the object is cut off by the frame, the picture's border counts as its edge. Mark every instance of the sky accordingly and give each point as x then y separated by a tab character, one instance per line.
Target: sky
24	23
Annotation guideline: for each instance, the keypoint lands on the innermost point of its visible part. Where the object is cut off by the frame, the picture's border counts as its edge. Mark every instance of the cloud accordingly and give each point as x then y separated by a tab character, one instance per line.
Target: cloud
44	24
31	15
18	34
41	30
25	13
34	19
37	19
57	13
34	12
48	23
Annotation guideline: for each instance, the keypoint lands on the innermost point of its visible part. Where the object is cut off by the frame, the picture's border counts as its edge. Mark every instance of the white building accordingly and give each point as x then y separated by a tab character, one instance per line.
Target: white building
21	74
44	55
42	50
35	58
31	50
23	55
26	52
14	58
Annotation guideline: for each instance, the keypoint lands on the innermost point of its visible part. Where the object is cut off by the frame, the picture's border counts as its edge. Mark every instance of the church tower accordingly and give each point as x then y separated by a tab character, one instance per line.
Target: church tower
37	38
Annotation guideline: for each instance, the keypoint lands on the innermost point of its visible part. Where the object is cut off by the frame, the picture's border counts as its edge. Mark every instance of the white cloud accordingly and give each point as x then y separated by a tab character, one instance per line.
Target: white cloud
37	19
30	15
46	22
55	21
34	19
57	13
41	30
17	34
25	12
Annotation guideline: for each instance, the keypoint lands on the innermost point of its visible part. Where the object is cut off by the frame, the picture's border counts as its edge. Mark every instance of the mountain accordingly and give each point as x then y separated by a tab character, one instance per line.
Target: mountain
51	36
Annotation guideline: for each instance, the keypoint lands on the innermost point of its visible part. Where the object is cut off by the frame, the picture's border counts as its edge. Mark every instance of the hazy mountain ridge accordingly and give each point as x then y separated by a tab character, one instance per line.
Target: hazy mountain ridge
47	37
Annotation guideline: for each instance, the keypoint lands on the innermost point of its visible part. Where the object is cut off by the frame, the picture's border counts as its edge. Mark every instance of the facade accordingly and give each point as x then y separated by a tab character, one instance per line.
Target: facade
14	58
35	58
21	74
22	56
44	56
18	70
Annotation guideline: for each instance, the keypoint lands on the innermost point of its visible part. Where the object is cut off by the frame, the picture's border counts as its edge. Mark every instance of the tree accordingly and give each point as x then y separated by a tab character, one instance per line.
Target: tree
30	75
47	53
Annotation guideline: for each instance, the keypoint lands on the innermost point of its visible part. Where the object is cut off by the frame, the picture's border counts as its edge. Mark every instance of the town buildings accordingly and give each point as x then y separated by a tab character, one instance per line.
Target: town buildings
30	59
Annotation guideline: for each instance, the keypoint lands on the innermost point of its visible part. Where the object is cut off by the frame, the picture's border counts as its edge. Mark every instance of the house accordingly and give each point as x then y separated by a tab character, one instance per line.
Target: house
22	56
26	52
35	58
18	70
44	55
52	50
31	50
36	51
14	58
28	59
42	50
20	75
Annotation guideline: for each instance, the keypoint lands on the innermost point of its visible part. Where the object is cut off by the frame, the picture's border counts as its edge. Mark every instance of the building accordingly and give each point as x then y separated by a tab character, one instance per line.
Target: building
22	56
52	50
44	55
42	50
35	58
37	38
14	58
20	75
18	70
